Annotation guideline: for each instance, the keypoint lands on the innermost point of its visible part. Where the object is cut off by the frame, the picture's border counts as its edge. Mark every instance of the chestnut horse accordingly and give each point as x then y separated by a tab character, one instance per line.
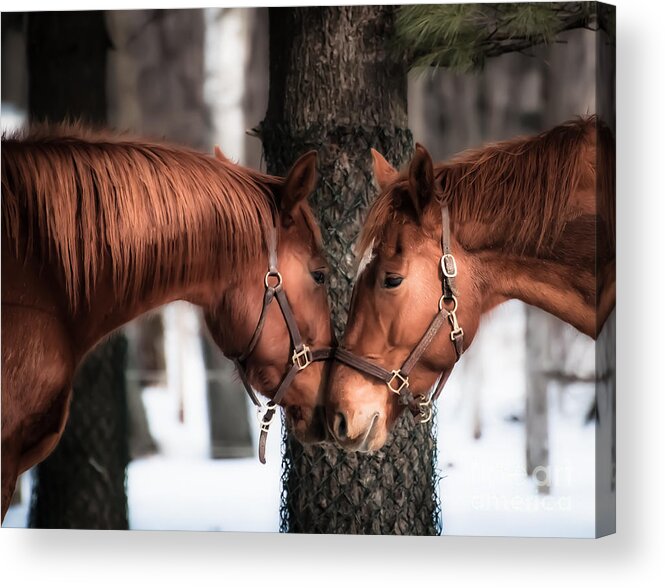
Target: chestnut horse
98	229
530	219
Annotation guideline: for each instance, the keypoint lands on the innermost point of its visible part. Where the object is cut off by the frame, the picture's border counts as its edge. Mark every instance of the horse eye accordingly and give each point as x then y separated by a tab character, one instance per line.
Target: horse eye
319	277
392	281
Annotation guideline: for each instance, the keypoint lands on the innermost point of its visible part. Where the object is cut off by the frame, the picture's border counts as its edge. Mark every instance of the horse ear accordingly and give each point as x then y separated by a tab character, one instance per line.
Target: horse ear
421	179
219	155
299	182
384	173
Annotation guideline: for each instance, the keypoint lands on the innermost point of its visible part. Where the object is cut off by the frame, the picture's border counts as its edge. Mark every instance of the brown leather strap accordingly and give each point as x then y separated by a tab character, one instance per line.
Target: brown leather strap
268	296
243	378
448	264
458	342
266	420
290	320
263	440
425	341
363	365
443	378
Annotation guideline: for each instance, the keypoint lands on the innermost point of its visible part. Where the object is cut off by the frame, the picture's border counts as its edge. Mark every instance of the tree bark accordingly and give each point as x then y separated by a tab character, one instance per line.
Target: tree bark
82	483
335	87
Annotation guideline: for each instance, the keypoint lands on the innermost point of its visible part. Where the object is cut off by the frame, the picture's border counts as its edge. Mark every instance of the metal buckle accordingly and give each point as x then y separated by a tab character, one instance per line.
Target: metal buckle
265	417
403	381
448	259
302	358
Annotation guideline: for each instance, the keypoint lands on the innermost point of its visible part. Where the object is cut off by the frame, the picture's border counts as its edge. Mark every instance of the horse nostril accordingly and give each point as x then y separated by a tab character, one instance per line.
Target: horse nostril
340	428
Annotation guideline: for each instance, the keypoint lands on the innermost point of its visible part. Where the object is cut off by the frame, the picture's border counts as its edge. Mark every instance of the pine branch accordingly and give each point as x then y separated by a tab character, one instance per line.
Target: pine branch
463	36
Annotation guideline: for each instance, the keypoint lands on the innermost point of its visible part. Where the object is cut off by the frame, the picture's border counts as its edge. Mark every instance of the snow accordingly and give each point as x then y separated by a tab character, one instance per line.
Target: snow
484	489
183	489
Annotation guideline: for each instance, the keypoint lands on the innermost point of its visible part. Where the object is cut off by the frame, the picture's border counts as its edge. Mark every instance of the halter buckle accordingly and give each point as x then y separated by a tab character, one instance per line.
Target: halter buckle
302	358
267	416
448	265
403	382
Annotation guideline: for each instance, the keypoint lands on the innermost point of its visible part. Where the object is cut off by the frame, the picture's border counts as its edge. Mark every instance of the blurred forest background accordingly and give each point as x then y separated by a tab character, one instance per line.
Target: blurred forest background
516	425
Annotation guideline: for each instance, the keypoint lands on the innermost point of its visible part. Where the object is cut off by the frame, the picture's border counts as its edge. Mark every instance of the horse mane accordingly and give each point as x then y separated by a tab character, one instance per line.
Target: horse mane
76	195
520	190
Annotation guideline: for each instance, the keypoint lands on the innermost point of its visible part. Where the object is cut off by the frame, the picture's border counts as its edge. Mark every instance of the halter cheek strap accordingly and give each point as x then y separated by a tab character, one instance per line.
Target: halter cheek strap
398	380
301	357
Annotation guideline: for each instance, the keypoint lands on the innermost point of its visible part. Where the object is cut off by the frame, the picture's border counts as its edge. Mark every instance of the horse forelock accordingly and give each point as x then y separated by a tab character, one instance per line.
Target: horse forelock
78	196
365	258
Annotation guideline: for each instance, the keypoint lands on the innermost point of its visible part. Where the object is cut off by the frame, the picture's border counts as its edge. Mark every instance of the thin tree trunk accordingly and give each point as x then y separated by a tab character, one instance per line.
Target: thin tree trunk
82	483
538	359
334	87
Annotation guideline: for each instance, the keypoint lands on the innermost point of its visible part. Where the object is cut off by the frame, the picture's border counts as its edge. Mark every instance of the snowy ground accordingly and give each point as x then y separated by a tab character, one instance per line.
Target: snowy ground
483	490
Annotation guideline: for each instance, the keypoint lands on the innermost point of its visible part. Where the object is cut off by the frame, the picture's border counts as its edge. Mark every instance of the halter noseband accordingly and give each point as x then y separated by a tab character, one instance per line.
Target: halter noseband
398	380
301	357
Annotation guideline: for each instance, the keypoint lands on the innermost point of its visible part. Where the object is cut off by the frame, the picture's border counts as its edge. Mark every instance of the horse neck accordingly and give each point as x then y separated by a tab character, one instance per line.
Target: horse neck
104	312
574	281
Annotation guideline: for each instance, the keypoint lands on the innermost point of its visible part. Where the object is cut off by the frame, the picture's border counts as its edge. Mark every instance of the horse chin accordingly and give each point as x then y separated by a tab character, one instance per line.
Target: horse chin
310	430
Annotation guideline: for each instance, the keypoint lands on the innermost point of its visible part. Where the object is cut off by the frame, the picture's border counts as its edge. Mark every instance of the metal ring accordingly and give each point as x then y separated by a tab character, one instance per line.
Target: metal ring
273	274
443	299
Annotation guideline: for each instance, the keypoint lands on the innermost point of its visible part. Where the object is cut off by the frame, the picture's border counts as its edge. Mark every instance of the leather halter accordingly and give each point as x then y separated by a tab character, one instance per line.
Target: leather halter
301	357
398	380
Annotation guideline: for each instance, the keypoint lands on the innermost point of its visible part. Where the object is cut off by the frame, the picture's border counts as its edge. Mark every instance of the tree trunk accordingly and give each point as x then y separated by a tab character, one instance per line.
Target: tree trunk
334	87
67	66
82	483
538	360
